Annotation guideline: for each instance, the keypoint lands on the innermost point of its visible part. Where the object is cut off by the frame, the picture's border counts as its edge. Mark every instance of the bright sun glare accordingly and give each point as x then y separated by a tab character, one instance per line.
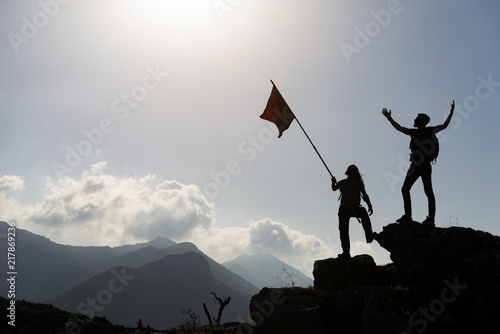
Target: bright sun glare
175	11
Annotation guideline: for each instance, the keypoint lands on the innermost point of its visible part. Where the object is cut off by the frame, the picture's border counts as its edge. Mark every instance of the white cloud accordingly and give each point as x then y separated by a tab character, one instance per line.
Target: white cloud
103	209
265	236
10	183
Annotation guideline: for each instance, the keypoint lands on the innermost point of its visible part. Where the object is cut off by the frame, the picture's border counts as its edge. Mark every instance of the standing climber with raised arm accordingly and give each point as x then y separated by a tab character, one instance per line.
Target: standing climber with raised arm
424	147
352	189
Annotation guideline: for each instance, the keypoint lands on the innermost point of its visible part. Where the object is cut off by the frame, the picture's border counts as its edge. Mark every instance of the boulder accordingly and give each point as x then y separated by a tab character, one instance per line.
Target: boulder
427	256
339	273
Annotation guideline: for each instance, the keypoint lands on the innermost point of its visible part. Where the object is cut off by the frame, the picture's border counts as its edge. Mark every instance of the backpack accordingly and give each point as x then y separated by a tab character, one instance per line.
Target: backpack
424	146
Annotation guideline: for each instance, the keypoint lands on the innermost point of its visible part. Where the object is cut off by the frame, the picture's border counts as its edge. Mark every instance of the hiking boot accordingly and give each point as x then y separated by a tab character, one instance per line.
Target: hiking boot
404	219
369	238
428	222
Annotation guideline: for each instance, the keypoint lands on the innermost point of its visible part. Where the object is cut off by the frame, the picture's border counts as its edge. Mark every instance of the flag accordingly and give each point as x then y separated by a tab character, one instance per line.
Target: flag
277	111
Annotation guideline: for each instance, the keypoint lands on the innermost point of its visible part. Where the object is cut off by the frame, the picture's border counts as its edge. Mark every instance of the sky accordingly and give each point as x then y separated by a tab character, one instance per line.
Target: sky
125	120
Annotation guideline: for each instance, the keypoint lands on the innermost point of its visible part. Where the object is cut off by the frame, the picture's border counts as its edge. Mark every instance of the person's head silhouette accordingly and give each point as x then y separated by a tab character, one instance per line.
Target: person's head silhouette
421	121
352	171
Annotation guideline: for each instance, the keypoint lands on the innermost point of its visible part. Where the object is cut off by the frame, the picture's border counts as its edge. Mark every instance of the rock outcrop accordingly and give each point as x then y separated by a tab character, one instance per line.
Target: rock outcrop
427	256
442	280
333	274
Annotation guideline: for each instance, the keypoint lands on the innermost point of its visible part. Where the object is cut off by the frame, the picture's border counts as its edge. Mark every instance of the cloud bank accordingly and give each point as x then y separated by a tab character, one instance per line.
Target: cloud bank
103	209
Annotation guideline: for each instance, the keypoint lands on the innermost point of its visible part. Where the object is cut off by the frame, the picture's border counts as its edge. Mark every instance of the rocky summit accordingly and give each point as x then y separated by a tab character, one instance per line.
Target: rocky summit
441	280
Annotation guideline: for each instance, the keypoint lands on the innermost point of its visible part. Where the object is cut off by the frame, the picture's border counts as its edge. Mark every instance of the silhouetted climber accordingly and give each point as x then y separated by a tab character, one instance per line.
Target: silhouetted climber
424	147
352	190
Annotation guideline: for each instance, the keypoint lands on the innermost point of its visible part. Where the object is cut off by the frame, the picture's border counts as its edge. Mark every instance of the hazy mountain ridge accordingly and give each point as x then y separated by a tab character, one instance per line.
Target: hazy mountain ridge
88	279
58	267
149	254
168	276
265	270
139	257
155	292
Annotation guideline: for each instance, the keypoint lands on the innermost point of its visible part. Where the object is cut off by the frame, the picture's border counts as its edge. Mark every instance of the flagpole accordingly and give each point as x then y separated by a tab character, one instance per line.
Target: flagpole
319	155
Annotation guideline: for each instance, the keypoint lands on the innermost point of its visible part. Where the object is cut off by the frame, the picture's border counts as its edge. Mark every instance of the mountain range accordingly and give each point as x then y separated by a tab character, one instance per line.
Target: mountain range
152	281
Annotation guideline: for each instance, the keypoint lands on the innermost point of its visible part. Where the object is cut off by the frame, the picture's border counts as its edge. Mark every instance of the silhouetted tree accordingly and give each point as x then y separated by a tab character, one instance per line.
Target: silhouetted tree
222	304
208	314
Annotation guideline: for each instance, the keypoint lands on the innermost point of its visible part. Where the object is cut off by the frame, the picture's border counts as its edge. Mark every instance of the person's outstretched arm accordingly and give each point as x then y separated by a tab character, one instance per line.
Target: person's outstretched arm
387	114
448	119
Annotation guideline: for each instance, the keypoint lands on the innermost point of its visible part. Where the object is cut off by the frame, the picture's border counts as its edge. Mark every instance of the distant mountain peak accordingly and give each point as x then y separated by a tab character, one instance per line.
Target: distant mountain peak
161	242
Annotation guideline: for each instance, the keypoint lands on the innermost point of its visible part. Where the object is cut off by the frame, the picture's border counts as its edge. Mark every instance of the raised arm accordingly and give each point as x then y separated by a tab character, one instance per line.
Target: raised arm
387	114
448	119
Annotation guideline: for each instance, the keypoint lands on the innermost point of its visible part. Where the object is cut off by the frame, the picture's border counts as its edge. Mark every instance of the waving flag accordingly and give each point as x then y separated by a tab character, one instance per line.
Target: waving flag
277	111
